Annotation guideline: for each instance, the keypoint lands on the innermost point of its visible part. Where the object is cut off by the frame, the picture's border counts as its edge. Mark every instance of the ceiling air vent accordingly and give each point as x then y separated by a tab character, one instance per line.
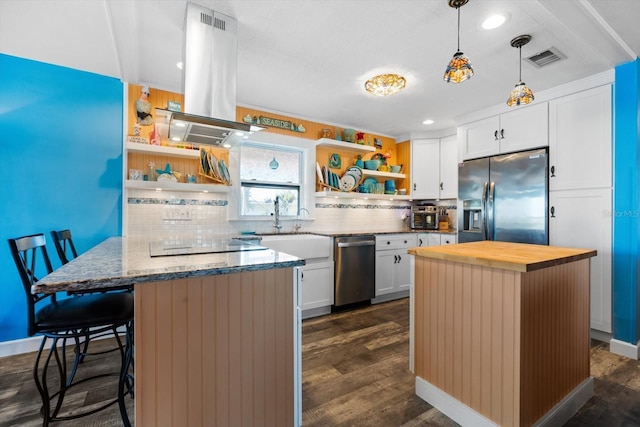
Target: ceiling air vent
545	57
206	19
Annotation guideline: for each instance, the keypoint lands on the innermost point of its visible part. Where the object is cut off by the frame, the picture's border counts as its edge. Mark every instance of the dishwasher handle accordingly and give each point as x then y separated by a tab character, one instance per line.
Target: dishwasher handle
353	244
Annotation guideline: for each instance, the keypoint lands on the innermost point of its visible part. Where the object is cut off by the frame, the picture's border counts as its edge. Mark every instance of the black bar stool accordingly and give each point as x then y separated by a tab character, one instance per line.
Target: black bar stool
66	252
76	318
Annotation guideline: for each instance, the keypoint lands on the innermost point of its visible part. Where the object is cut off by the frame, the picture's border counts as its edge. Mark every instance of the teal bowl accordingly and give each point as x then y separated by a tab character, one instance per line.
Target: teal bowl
372	164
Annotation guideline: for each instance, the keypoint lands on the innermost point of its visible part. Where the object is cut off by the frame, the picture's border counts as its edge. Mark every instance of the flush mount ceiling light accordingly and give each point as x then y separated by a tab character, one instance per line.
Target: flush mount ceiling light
428	122
459	68
520	94
385	84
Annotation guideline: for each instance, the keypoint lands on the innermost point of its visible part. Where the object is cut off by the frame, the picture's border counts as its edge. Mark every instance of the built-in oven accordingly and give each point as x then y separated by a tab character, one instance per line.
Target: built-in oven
424	218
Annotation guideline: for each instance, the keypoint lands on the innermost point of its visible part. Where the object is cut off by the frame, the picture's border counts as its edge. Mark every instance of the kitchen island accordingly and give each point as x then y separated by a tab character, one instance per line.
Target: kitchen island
217	335
500	332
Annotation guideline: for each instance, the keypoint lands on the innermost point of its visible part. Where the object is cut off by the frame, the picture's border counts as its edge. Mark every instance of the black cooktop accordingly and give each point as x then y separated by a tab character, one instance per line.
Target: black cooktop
212	246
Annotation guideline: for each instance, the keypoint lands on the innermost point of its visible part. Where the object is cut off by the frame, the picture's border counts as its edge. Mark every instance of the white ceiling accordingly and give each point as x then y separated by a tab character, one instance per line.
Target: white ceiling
310	58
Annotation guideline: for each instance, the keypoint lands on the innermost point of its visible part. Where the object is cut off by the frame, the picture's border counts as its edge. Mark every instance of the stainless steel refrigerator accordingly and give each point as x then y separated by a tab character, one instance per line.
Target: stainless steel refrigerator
504	198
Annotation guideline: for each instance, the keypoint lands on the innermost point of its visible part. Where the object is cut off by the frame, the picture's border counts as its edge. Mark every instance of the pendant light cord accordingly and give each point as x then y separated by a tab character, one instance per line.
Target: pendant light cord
520	73
458	8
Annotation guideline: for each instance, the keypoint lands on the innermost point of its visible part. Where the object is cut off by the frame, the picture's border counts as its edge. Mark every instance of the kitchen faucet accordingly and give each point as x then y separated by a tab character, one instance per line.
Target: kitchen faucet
276	214
297	227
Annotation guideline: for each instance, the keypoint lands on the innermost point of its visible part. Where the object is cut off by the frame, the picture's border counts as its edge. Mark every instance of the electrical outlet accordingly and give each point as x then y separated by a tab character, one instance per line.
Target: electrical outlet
176	214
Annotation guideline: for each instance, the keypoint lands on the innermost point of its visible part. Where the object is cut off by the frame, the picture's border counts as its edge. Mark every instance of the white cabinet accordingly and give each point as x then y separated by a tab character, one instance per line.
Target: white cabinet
580	200
393	264
582	219
425	168
449	167
520	129
316	285
434	164
436	239
580	140
448	239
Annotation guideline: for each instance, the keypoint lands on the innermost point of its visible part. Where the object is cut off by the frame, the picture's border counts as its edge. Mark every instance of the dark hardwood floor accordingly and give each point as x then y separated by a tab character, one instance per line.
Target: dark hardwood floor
355	373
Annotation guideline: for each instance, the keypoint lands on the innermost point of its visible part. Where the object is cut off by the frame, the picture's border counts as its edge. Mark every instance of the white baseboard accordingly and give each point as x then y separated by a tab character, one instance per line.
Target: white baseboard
31	344
567	407
600	335
466	416
450	406
390	297
624	348
24	345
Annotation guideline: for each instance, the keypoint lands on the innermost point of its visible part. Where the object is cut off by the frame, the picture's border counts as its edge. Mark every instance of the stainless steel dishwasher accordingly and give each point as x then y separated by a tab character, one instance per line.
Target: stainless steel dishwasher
355	269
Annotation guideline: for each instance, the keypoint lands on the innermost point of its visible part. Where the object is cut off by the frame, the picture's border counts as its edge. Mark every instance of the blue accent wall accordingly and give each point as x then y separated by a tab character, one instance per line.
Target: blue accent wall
626	220
61	157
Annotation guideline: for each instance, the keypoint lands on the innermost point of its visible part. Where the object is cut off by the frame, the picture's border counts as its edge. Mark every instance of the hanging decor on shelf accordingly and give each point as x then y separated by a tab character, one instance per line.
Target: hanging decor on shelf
459	68
521	94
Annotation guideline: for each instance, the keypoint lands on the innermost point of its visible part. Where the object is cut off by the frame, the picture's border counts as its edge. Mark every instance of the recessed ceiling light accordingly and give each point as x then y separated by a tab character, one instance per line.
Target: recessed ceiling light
179	65
494	21
428	122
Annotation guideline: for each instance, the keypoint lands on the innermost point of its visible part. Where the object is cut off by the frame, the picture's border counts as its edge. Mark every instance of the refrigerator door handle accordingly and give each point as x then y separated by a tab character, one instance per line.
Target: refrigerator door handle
485	234
492	223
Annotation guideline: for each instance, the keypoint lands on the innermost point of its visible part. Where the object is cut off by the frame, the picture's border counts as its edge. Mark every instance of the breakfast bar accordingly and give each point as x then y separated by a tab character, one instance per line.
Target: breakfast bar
501	332
217	338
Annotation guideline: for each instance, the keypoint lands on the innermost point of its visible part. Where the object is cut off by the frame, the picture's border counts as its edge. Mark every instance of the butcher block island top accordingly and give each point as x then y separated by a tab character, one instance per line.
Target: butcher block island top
500	332
504	255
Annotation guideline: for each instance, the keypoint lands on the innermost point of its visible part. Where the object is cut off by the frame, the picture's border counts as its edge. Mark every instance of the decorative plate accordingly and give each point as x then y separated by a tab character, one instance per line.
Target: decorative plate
325	173
204	162
348	183
319	172
224	171
356	172
213	165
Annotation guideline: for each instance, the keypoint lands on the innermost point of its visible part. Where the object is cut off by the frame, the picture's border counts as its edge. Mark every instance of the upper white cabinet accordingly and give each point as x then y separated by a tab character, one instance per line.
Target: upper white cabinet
449	167
580	140
425	168
434	168
517	130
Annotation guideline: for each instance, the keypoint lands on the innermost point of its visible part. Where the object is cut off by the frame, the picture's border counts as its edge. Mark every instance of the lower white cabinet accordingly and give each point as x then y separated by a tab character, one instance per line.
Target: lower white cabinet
582	219
436	239
316	284
393	263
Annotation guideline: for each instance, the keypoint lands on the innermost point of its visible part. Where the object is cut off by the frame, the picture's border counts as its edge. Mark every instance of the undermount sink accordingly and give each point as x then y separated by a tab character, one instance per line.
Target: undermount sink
306	246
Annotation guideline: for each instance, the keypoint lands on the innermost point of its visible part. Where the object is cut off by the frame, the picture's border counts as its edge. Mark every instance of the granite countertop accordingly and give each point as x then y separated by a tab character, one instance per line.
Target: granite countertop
122	261
503	255
451	231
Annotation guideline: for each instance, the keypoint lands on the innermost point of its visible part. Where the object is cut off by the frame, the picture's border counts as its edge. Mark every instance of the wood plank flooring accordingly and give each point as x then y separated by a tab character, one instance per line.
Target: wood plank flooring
355	373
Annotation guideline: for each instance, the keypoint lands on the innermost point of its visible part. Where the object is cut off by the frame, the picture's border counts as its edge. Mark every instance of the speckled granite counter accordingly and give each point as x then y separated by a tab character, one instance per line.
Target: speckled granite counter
123	261
451	231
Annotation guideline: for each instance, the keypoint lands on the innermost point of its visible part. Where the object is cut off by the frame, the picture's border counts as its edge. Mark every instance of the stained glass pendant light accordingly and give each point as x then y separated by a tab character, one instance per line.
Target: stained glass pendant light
459	68
520	94
385	84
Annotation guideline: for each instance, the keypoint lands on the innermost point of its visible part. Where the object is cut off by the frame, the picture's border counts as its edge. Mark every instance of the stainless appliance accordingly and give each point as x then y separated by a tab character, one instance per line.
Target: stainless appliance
210	68
355	269
424	218
504	198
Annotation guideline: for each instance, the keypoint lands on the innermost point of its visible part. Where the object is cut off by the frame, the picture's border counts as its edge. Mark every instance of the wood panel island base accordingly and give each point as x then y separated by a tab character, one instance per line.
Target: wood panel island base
501	332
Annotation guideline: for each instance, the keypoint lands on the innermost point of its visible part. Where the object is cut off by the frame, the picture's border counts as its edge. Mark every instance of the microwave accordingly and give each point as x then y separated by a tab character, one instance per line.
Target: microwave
424	218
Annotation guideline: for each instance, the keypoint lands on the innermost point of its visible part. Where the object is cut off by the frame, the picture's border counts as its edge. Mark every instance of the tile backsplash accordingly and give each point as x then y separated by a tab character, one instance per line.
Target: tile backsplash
162	213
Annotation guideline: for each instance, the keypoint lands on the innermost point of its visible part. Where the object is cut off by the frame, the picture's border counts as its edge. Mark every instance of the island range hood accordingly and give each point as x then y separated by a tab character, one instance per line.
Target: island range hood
210	67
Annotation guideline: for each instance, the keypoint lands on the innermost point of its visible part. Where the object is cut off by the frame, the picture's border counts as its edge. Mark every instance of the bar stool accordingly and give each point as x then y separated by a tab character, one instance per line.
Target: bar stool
79	317
66	252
